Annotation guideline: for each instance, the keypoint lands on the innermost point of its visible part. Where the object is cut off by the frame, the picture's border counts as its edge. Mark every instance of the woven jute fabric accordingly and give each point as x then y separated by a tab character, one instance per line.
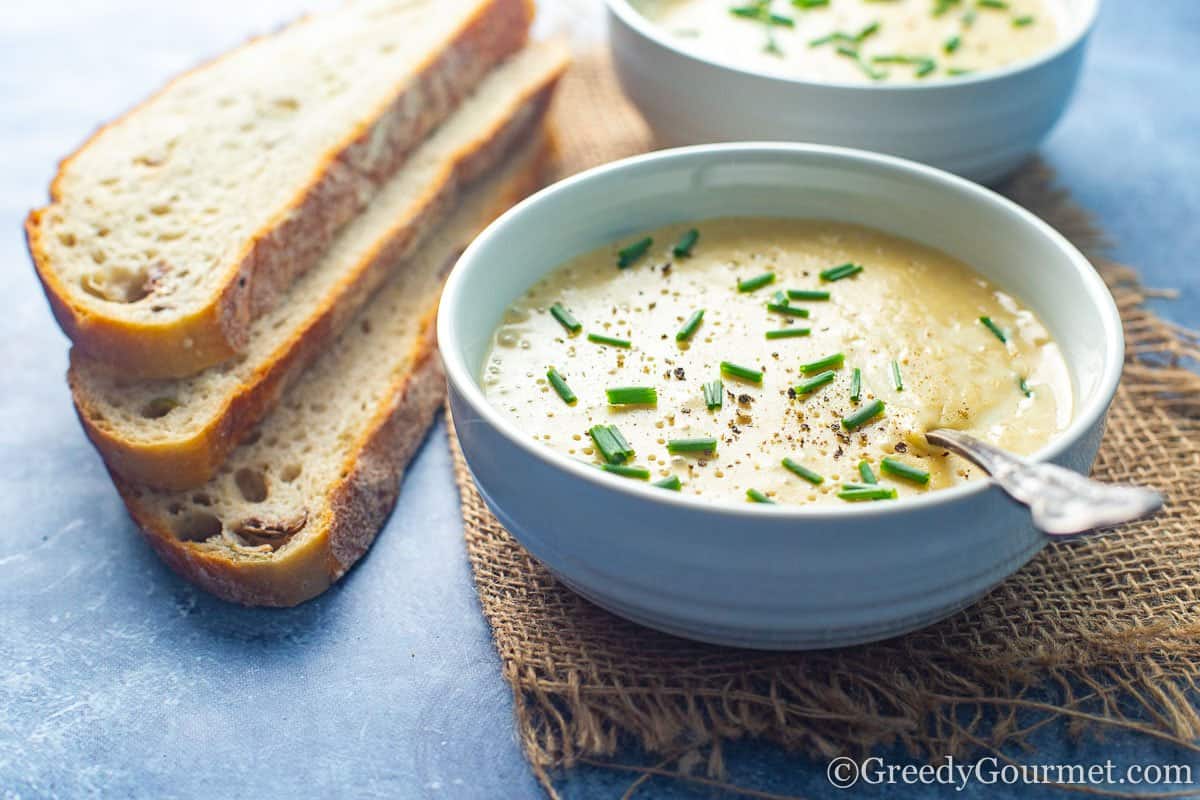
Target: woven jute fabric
1102	632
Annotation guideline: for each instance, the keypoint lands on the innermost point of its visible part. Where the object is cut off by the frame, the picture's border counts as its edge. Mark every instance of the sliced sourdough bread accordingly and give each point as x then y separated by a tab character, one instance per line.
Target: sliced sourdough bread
302	499
172	228
175	433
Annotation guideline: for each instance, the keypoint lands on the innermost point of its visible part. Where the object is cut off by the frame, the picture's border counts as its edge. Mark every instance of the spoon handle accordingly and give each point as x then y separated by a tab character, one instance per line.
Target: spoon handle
1063	502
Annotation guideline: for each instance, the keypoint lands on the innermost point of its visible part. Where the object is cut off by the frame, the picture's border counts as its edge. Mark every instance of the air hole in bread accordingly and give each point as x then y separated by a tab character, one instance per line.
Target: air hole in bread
290	472
117	284
252	484
67	239
252	437
199	526
201	499
159	407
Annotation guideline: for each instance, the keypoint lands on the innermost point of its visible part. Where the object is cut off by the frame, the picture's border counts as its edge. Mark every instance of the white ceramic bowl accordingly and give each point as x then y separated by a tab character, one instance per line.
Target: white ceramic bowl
741	573
978	126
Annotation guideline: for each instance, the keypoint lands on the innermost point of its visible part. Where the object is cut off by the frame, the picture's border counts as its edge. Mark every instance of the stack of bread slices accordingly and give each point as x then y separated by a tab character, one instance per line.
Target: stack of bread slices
248	265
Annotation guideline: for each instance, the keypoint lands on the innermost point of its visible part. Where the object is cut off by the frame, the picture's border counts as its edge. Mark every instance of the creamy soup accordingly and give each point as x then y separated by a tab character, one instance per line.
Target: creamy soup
861	40
722	348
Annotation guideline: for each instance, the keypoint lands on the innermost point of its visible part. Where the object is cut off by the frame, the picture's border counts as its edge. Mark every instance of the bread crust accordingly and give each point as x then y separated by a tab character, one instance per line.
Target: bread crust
275	255
356	506
189	461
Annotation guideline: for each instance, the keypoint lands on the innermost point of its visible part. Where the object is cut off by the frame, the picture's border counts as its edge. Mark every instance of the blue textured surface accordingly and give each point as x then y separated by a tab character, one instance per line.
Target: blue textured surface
117	678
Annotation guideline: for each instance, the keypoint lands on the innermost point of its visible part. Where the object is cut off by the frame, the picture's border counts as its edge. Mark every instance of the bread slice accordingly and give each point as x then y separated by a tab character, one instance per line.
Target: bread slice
301	500
171	229
175	433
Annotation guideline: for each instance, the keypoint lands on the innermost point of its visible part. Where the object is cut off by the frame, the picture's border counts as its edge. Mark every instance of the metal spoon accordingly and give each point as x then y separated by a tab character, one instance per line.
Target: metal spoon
1063	502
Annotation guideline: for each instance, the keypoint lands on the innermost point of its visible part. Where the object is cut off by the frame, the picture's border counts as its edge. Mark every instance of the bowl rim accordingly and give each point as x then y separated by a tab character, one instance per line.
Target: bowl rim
1087	411
634	19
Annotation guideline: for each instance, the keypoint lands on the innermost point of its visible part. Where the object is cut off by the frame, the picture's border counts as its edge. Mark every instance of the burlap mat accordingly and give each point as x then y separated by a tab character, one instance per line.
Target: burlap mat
1103	632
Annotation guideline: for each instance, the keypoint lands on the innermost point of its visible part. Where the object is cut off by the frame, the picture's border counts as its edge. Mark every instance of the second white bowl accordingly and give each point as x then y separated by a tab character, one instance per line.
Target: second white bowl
980	126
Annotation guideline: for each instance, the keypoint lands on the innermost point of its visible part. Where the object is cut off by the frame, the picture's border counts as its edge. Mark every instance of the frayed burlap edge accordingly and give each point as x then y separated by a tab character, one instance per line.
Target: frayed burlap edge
1100	633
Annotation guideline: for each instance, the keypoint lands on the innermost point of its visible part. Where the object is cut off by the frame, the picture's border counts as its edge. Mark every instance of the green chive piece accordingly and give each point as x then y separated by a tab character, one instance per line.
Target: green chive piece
870	30
837	36
803	472
814	383
627	471
701	445
952	44
864	469
925	68
968	18
714	394
671	482
856	385
560	386
565	318
690	326
854	495
611	444
956	71
898	469
863	416
632	396
860	486
788	333
997	4
835	361
848	52
784	308
897	378
994	328
1024	387
628	256
745	373
683	248
807	294
755	496
1021	22
757	282
810	3
600	338
840	271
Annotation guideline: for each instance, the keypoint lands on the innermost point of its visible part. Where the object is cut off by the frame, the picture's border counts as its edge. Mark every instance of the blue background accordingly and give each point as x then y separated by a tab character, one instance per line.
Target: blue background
118	678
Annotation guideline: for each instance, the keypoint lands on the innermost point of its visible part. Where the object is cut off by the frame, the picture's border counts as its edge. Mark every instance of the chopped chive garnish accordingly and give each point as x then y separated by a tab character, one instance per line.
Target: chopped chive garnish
848	52
565	318
997	4
814	383
702	445
714	394
755	496
943	6
898	469
784	308
632	396
600	338
757	282
671	482
870	30
897	378
833	37
560	386
863	416
1024	387
807	294
952	44
925	68
1021	22
788	333
810	3
856	385
611	444
745	373
683	248
840	271
628	256
689	327
760	12
860	486
994	328
968	18
627	471
864	469
803	472
854	495
835	360
956	71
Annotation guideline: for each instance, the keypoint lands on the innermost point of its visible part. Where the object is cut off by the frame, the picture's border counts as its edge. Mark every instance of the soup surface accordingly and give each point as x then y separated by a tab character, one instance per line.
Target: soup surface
907	320
861	40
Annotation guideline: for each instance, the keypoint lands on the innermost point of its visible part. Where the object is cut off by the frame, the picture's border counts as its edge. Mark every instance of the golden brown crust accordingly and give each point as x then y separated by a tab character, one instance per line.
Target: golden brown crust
276	255
356	506
189	462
